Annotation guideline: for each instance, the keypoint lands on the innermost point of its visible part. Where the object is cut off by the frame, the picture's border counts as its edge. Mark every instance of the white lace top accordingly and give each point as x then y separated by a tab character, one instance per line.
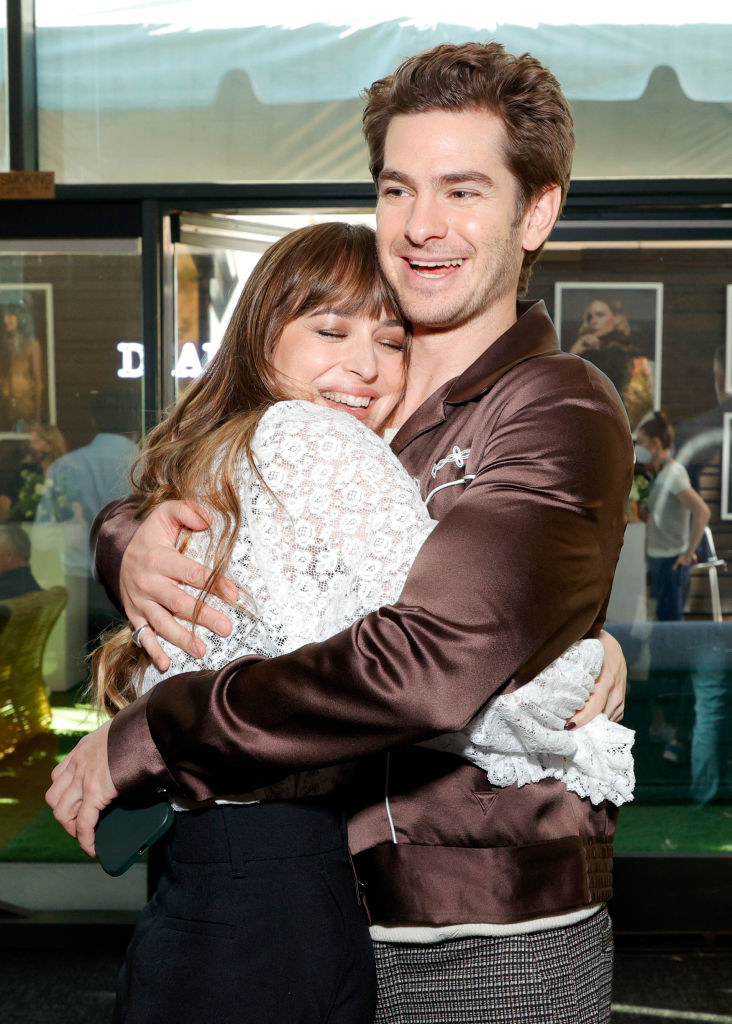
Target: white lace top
330	538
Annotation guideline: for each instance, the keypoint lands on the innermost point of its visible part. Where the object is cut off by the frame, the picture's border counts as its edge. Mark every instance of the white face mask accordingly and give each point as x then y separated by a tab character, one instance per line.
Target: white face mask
642	455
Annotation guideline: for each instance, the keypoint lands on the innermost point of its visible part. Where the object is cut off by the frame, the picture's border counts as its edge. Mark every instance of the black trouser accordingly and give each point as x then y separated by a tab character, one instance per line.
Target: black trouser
255	919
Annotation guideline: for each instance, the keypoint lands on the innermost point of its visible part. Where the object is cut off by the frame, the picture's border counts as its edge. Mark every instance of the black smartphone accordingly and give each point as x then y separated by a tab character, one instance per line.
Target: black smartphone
124	834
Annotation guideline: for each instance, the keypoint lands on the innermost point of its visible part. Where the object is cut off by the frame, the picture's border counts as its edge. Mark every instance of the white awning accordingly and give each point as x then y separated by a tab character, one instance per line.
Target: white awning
174	65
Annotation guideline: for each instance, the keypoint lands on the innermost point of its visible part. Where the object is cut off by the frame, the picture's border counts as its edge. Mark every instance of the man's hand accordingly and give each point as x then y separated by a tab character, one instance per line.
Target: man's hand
82	787
609	693
687	558
152	569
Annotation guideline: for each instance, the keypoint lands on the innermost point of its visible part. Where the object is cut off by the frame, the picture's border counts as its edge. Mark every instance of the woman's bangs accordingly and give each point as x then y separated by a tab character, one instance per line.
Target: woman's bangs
352	284
360	290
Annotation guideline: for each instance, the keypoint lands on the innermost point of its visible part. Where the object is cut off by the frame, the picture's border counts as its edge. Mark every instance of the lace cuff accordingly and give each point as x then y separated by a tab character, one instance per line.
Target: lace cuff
520	737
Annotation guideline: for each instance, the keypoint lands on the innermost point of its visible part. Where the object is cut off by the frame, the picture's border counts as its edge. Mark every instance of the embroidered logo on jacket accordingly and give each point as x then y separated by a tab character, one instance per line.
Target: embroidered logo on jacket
457	455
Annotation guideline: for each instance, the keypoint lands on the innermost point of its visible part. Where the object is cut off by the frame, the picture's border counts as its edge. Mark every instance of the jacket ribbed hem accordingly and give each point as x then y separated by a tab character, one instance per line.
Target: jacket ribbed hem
438	885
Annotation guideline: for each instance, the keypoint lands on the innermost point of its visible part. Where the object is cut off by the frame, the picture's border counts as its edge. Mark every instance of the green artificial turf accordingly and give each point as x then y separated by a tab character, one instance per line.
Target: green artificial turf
641	829
674	828
43	840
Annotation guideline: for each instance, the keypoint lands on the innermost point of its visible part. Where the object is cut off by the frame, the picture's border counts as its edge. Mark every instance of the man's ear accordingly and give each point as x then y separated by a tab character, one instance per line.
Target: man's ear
542	212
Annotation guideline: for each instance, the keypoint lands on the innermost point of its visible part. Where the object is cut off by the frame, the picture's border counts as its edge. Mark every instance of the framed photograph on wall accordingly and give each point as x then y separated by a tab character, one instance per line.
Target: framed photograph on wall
618	326
27	371
728	344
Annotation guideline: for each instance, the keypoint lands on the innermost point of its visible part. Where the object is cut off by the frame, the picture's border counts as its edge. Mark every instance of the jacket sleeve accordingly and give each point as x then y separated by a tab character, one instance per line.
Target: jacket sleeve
517	570
111	532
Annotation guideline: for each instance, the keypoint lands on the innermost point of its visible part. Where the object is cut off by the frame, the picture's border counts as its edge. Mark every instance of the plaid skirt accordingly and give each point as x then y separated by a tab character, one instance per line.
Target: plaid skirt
560	976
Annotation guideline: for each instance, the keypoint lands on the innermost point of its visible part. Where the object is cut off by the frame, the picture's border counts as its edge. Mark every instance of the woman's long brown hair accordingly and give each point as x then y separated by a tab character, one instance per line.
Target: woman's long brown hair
194	453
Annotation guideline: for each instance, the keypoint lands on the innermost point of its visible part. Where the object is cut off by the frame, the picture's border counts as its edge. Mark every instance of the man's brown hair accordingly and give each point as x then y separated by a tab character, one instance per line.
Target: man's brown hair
482	76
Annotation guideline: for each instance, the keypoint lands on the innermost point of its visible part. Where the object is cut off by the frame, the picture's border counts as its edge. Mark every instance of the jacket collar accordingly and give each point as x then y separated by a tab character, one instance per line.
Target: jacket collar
532	334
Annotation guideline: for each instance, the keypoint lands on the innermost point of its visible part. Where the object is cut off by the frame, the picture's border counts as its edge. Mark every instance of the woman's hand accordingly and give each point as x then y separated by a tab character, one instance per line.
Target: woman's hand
150	577
609	694
82	787
585	343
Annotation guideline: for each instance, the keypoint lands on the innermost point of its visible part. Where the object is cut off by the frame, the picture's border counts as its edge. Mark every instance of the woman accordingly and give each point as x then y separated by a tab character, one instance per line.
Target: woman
31	481
318	524
23	383
605	338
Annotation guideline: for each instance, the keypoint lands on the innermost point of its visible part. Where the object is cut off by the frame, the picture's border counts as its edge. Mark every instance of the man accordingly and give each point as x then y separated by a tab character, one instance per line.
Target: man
87	479
16	577
482	897
703	645
699	440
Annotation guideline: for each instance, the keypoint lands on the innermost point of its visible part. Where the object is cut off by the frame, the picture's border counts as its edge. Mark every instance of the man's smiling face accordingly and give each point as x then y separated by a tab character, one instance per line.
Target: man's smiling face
448	234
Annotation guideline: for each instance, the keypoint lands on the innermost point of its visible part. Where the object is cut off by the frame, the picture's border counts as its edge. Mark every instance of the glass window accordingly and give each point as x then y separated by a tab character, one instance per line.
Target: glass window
70	423
655	318
231	92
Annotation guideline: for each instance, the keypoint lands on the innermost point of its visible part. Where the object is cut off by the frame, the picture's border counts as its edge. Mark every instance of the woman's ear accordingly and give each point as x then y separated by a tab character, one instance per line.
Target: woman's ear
543	211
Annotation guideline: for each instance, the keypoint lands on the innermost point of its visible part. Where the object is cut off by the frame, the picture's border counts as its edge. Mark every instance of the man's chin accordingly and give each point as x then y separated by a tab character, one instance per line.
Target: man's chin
437	318
428	309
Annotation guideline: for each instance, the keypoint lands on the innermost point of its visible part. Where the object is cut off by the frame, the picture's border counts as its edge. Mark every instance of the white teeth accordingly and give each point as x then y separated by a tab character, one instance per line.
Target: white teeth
436	263
355	401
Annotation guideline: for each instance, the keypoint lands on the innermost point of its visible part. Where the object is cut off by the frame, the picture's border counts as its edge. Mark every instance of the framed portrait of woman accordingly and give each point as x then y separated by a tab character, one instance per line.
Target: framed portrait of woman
27	372
618	326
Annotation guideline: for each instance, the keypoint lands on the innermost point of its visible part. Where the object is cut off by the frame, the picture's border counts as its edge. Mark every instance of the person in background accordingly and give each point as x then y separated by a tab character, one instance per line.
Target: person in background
699	440
675	517
24	481
699	449
16	577
80	483
46	444
98	472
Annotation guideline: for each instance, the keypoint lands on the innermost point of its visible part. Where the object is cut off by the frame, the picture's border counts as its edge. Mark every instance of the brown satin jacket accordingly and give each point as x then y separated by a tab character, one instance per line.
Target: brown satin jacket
526	461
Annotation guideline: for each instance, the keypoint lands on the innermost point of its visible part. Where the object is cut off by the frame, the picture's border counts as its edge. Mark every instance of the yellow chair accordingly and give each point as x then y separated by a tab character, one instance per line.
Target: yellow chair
24	707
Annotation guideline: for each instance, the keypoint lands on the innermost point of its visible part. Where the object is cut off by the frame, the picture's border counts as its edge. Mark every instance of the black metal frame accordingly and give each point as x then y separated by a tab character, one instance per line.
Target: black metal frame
631	205
22	78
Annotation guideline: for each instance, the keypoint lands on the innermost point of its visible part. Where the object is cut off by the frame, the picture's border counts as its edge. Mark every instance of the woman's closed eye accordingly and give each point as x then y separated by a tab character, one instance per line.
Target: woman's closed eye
396	344
326	332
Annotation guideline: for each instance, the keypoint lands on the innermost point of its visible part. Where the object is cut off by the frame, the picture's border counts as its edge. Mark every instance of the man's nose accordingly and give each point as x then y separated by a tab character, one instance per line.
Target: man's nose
426	220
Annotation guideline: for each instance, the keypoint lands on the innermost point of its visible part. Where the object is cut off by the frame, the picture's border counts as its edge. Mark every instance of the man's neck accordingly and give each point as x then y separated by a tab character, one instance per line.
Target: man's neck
440	356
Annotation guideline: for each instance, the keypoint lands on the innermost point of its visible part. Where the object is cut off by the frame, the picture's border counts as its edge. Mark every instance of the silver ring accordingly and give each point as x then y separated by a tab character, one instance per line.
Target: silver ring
138	632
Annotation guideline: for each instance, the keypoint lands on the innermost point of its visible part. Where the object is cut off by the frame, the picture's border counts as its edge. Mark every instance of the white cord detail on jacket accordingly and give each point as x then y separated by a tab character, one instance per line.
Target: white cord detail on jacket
386	800
452	483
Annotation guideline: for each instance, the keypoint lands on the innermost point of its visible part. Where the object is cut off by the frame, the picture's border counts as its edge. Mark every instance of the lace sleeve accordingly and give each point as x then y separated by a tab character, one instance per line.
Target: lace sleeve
335	522
331	524
520	736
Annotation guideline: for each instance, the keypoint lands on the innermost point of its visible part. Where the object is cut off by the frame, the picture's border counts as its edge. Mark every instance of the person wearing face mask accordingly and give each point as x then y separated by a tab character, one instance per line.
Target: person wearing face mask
675	518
